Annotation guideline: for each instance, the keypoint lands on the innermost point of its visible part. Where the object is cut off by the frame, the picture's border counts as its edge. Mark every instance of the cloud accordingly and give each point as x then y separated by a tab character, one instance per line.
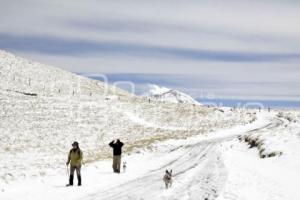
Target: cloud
57	46
234	47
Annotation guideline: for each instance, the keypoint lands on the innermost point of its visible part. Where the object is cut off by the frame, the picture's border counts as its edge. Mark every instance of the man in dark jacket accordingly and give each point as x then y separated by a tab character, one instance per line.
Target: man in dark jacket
117	152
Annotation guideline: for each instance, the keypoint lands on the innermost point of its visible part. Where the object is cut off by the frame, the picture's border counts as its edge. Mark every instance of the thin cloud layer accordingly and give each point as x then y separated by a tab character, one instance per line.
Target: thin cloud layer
57	46
253	44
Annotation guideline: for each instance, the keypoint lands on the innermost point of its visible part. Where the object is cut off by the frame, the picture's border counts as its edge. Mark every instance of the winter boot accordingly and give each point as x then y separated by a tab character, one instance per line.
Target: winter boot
79	180
71	180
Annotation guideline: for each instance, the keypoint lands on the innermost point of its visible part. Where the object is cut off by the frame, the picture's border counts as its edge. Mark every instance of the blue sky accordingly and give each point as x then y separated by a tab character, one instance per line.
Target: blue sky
234	49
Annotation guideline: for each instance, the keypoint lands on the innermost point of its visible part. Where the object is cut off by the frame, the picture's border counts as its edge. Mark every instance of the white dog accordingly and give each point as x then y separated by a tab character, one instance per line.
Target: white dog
124	166
168	178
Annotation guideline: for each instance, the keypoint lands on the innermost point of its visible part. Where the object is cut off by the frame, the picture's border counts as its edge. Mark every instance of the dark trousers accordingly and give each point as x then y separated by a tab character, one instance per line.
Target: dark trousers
78	173
116	164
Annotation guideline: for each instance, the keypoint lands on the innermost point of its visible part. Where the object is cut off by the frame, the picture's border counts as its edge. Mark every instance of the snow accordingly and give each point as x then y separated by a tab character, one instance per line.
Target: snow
164	94
214	166
251	177
200	144
187	157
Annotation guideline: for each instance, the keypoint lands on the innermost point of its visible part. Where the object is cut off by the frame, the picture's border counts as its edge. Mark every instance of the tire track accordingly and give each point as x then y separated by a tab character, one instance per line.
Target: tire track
191	159
199	173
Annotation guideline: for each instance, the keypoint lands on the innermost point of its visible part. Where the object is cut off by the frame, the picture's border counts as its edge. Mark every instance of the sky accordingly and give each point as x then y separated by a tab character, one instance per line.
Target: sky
232	49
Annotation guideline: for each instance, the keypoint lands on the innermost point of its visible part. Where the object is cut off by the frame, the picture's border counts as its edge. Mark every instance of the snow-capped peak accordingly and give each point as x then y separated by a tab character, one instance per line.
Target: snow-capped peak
169	95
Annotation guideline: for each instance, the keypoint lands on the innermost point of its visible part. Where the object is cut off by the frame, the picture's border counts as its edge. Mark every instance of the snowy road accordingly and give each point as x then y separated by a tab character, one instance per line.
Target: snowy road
199	171
197	163
197	166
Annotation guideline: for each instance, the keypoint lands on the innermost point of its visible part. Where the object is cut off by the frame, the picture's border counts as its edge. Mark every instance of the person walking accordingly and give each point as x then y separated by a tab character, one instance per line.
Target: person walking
117	152
75	157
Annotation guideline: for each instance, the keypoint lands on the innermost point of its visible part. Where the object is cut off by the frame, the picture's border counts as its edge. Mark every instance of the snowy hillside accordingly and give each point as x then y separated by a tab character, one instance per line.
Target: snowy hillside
44	109
168	95
215	154
264	163
217	166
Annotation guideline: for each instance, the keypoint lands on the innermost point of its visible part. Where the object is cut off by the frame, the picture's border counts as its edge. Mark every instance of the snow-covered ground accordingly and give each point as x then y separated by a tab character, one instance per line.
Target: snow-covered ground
214	166
44	109
274	178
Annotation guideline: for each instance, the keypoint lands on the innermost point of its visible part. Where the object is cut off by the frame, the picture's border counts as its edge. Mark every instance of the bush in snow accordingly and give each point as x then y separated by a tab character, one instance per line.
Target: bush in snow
256	141
280	114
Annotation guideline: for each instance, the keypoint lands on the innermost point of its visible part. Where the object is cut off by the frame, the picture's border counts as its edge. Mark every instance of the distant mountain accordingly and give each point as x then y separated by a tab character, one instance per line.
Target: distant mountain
169	95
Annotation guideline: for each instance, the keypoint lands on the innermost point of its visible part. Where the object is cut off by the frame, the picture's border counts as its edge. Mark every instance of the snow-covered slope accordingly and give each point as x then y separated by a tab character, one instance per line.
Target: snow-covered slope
168	95
44	109
268	168
215	167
